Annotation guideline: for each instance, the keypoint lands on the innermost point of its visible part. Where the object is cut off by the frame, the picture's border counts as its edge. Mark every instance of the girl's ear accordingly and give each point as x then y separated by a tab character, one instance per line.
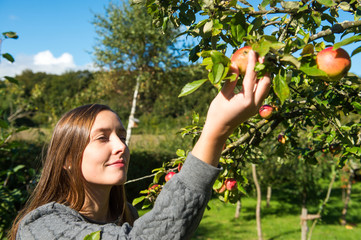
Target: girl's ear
67	167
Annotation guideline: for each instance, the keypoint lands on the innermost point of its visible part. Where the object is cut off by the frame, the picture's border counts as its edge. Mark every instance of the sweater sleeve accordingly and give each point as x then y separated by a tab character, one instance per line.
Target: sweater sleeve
175	215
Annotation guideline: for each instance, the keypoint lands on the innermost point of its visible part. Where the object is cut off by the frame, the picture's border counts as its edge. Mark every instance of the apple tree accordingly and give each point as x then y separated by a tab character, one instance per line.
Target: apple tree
308	101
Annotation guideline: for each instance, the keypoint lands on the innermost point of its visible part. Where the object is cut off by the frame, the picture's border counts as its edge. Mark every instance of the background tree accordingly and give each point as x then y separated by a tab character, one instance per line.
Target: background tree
128	42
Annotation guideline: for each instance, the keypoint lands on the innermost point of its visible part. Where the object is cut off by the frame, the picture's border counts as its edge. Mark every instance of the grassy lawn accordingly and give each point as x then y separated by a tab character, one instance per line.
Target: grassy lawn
281	221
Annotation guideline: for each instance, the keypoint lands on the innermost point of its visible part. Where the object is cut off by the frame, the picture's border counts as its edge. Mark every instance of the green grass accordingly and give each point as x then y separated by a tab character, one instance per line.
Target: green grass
281	221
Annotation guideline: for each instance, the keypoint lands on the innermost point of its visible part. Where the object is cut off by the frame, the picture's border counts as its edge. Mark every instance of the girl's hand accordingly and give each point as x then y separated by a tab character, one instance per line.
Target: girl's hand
230	109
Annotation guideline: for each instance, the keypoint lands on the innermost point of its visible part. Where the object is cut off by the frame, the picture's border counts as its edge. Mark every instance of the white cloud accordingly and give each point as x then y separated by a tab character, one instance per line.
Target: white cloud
41	62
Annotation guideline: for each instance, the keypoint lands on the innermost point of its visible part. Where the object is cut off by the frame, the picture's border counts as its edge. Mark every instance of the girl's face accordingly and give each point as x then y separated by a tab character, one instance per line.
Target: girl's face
106	157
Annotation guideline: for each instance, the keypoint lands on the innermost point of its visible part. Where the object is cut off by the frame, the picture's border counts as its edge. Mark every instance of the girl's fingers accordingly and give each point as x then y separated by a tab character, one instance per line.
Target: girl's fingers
263	87
228	86
250	78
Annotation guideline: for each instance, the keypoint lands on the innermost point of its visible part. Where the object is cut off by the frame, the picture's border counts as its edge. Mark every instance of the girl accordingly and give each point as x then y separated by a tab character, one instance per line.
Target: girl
81	187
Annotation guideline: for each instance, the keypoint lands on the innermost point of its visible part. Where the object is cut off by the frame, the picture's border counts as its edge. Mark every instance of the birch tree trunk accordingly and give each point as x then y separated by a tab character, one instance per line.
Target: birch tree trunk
304	227
259	199
132	111
269	194
333	177
347	198
238	209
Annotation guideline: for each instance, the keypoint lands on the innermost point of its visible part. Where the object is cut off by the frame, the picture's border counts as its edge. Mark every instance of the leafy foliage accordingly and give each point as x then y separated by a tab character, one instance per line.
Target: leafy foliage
312	114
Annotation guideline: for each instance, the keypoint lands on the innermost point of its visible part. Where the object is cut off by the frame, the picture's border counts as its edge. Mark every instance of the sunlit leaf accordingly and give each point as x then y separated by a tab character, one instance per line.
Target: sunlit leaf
355	38
313	71
218	70
280	87
137	200
93	236
238	27
328	3
191	87
291	59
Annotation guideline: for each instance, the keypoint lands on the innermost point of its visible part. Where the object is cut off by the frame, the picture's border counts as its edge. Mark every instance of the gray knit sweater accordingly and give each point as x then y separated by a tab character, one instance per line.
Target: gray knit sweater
175	215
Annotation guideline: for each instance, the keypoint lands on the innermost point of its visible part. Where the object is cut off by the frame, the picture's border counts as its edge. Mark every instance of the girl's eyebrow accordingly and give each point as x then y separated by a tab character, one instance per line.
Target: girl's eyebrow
119	130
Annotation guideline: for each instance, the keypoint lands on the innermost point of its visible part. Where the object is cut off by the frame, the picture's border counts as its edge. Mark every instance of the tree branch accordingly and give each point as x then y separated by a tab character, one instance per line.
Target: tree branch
337	28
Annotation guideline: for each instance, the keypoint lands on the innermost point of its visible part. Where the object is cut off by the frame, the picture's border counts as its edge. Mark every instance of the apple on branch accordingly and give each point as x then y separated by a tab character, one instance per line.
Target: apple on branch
240	59
281	138
334	62
265	111
231	184
169	176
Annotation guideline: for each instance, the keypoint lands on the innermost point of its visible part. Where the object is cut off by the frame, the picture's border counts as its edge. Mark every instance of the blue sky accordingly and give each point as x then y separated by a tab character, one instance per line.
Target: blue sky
58	35
53	31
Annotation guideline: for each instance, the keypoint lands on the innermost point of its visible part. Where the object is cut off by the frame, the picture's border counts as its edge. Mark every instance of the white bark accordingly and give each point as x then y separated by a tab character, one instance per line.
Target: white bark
132	111
304	227
259	199
269	194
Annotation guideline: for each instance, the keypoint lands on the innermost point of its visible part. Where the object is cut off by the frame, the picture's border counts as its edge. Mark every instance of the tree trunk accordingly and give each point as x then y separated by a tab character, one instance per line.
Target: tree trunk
333	177
238	209
132	111
347	198
259	199
304	227
269	194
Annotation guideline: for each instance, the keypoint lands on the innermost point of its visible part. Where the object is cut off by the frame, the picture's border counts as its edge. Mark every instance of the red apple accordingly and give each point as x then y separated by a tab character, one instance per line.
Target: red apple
240	58
153	187
265	111
231	184
180	166
281	138
335	63
169	176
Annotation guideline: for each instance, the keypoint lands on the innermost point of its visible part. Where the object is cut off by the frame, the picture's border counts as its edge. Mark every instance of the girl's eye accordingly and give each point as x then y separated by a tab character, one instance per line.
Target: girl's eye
102	138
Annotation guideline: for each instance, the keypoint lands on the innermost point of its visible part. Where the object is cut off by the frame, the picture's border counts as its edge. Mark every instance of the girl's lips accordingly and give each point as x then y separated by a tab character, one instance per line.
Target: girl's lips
119	163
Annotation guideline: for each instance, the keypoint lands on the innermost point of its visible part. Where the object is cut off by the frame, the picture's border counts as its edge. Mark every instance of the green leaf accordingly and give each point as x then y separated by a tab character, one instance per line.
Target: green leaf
357	106
12	80
18	167
8	57
191	87
291	59
93	236
218	70
264	4
12	35
137	200
238	27
180	153
347	41
313	71
328	3
356	51
280	87
217	184
4	124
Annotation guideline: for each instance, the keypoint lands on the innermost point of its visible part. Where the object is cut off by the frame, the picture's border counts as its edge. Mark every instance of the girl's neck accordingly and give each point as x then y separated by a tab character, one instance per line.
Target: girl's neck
96	205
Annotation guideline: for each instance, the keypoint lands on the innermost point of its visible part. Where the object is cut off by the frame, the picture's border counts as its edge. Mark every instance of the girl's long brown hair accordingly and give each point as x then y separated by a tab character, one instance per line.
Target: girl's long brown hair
66	186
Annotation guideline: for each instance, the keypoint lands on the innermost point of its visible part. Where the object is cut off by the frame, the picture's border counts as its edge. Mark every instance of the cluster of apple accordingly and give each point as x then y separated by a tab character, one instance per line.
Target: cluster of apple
228	188
334	62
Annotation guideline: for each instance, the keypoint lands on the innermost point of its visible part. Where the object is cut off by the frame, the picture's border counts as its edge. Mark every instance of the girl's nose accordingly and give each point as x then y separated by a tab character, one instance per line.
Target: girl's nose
119	145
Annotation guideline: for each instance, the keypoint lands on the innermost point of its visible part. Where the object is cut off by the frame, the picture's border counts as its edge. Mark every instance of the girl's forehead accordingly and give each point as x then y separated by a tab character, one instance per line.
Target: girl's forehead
107	119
